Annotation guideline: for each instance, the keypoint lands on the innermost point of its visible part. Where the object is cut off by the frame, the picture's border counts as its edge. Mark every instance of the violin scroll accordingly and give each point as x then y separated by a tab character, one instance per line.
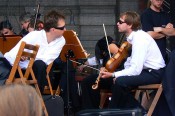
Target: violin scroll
95	86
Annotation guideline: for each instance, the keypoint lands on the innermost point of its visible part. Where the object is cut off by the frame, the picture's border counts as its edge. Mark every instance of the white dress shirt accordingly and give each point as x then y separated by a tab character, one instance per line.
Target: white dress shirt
145	54
47	52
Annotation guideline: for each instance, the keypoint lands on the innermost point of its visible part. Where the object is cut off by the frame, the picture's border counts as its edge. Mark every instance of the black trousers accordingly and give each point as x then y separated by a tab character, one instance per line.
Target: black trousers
122	98
121	95
39	69
90	97
5	69
62	81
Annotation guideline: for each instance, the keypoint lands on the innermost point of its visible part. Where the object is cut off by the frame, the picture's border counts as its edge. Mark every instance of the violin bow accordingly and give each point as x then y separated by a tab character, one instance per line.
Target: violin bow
107	40
36	16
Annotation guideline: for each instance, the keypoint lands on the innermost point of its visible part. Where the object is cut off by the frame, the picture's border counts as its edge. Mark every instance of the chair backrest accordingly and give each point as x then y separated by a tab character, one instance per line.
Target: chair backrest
26	51
48	89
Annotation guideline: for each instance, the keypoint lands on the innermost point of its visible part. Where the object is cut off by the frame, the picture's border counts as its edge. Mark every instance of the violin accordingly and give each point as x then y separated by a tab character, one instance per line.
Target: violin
114	62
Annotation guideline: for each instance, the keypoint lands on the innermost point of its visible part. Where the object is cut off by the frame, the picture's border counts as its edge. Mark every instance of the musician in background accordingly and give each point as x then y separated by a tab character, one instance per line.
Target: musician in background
6	28
89	97
24	20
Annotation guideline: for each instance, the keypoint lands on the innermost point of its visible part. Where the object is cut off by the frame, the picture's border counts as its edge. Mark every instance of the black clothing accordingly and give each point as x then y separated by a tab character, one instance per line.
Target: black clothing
122	98
23	32
90	97
39	69
61	80
150	19
5	69
101	50
166	103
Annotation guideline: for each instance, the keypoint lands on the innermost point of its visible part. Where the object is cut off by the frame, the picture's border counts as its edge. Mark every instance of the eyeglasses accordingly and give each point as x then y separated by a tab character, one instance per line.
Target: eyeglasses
121	22
60	28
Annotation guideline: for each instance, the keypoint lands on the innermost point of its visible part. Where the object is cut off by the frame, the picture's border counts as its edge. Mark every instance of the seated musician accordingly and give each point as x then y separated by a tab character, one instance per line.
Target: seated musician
144	66
6	28
50	40
24	20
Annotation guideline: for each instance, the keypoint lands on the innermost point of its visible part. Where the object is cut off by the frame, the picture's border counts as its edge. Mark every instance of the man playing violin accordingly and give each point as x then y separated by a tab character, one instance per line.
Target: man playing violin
141	68
144	66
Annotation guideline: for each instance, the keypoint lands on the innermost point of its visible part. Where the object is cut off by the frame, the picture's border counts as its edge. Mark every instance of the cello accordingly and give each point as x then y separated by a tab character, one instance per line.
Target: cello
114	62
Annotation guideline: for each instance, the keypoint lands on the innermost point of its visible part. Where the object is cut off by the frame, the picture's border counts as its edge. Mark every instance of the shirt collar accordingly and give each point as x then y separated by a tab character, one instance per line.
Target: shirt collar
130	37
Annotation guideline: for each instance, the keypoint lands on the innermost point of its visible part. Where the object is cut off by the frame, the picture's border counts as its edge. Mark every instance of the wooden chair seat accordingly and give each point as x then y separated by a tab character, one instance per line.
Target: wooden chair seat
157	87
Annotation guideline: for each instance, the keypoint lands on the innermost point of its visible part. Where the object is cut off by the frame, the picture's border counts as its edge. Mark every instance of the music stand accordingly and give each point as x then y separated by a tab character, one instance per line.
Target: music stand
72	50
7	42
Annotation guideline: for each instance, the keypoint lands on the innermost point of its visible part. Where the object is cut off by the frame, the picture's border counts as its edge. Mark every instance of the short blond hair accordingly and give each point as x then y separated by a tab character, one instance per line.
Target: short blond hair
19	100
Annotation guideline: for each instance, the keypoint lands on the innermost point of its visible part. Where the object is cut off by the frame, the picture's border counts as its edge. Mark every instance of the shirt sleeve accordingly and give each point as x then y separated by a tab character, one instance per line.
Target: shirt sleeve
134	64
